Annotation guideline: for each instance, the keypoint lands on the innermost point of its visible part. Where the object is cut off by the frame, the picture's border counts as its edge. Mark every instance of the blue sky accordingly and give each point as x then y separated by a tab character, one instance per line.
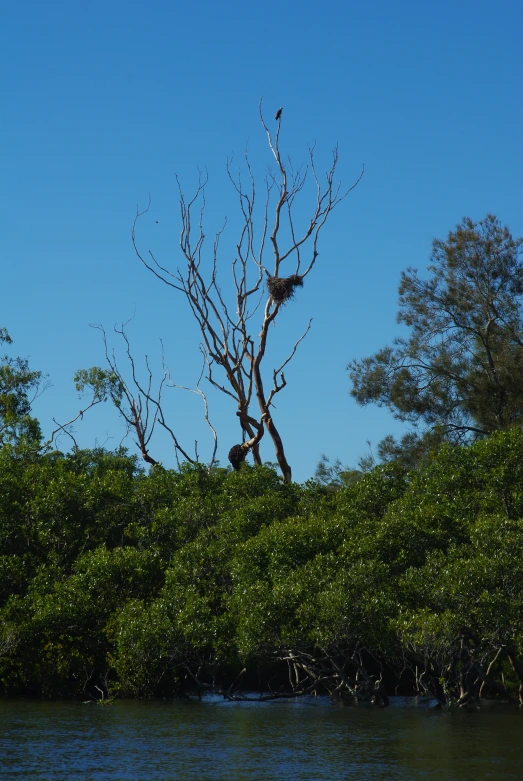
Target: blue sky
102	102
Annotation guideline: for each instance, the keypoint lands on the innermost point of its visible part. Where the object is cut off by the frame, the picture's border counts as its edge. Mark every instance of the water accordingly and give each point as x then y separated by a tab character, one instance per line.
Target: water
212	740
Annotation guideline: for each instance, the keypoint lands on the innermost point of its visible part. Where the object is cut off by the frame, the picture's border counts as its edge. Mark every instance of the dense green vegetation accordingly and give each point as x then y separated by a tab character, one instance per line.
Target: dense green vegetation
149	584
457	374
404	577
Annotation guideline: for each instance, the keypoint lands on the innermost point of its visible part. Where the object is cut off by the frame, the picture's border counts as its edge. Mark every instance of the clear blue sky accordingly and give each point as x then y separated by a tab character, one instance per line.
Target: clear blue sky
102	102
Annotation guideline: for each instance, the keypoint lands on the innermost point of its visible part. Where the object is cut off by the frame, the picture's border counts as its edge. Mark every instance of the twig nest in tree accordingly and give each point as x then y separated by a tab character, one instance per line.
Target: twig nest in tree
237	455
282	289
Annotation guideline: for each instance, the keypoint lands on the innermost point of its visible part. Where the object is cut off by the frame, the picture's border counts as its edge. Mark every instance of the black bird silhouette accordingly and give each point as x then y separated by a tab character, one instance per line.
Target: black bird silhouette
278	113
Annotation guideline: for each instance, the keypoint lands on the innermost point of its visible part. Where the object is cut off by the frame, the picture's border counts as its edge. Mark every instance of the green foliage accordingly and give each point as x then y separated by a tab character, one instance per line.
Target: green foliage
62	638
103	383
458	375
19	385
53	507
141	583
334	474
144	643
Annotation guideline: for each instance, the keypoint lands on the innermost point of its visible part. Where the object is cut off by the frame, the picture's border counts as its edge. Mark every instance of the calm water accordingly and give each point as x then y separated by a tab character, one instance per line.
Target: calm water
214	740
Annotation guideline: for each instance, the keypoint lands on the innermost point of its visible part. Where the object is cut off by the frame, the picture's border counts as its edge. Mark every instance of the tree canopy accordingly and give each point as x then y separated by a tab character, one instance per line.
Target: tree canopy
356	584
18	387
458	374
167	582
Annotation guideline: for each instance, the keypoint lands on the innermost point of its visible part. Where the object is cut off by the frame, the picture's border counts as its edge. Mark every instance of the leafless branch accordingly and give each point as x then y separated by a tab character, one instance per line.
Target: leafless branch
273	255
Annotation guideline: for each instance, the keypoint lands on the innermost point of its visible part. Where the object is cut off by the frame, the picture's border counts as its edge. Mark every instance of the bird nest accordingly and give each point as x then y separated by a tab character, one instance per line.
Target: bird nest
282	289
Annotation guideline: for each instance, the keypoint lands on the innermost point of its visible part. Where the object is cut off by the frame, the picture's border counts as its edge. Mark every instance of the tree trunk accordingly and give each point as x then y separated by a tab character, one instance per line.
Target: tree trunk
278	446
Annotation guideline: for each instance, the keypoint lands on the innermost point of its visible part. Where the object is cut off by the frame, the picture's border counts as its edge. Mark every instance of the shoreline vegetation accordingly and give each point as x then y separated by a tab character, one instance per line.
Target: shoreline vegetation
403	578
115	582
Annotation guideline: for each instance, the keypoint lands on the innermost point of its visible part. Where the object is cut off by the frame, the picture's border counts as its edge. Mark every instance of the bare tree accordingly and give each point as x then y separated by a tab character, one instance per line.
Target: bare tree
138	404
274	255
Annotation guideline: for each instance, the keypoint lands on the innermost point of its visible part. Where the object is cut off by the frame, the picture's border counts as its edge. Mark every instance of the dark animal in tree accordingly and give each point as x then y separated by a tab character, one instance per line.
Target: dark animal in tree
278	113
236	456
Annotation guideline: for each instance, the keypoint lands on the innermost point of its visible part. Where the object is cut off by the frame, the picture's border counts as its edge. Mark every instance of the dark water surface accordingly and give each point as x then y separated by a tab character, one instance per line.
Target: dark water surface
213	740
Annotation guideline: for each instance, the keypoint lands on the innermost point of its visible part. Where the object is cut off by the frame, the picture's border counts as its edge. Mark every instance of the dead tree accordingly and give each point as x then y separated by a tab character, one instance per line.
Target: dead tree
274	255
139	406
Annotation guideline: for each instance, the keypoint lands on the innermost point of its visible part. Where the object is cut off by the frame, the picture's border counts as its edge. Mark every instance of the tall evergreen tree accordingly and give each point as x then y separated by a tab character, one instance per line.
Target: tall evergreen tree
458	375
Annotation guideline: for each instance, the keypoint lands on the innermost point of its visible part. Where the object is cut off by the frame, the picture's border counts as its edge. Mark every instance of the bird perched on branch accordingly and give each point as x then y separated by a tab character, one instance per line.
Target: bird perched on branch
237	455
278	113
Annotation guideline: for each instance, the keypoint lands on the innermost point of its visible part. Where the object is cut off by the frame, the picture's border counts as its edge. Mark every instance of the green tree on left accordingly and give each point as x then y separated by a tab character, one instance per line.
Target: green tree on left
19	386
